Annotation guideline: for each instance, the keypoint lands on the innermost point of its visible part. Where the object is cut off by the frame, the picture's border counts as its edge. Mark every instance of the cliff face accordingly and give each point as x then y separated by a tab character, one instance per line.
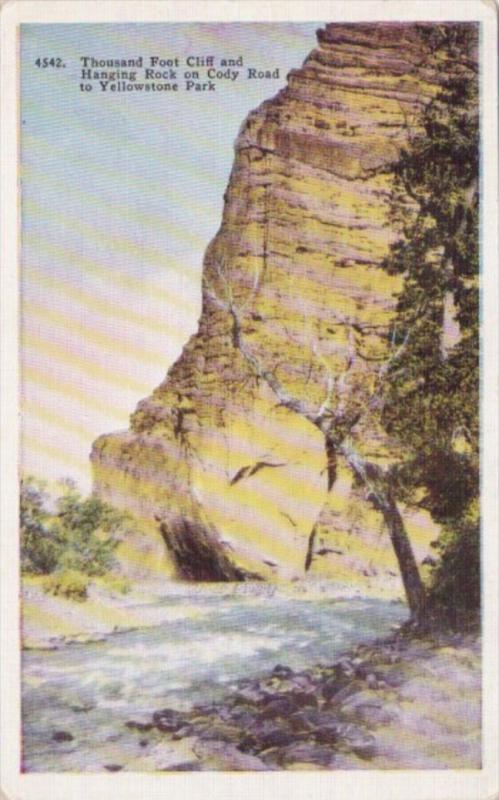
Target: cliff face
233	482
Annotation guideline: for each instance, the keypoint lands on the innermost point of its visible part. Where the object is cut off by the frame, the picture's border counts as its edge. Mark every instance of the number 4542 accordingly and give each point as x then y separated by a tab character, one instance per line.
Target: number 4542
49	62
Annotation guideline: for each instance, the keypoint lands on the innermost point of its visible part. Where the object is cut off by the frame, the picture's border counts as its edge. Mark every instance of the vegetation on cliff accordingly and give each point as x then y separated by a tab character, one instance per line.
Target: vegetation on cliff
431	396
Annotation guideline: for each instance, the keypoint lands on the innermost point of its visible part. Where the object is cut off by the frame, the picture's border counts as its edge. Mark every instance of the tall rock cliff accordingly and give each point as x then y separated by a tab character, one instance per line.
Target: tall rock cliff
225	481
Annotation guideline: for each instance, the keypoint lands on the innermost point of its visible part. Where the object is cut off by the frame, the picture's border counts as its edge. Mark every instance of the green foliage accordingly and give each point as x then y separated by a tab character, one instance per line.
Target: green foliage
40	548
88	528
431	401
455	581
79	536
70	584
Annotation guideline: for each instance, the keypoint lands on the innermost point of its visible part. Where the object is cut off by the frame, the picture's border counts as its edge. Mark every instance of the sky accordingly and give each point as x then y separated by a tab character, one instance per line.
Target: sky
121	193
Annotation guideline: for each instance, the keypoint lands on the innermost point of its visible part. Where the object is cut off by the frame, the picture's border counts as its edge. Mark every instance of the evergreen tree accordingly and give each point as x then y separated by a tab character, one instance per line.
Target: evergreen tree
432	393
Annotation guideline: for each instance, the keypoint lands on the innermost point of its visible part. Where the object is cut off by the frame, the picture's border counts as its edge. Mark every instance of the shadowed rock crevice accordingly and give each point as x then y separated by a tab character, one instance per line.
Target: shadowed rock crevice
198	554
310	549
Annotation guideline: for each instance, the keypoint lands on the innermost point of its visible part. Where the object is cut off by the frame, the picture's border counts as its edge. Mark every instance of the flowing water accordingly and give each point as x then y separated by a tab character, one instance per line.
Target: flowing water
91	690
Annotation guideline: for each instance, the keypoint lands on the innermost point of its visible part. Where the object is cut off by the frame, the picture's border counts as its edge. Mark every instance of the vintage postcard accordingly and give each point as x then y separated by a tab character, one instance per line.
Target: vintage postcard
249	513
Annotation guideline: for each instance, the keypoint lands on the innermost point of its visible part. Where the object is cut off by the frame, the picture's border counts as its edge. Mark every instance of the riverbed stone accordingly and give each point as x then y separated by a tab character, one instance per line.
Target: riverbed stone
327	734
186	766
373	715
271	733
243	715
275	738
62	736
139	725
248	695
302	699
360	698
221	755
305	719
248	743
278	707
360	742
222	732
167	720
335	696
307	753
282	671
182	733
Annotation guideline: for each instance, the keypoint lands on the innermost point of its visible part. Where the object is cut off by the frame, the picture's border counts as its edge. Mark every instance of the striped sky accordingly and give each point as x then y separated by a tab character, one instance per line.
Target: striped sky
121	194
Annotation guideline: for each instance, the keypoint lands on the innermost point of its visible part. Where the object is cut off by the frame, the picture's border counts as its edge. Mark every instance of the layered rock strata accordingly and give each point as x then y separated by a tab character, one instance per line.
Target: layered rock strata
214	465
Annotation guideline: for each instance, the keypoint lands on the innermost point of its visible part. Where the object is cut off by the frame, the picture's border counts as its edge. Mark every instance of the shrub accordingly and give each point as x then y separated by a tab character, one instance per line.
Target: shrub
70	584
454	592
40	548
88	528
78	537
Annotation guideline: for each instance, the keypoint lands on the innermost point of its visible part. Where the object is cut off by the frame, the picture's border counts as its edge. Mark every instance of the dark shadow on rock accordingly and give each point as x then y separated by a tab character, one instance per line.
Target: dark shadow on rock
198	553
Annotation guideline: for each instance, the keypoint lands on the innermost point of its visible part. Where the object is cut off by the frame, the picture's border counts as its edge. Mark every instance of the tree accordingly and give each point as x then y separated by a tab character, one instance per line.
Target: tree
40	549
336	418
80	534
431	400
88	528
426	390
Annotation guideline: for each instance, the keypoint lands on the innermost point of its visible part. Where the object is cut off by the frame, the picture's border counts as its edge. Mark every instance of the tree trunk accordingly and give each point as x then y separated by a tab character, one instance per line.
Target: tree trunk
413	585
379	495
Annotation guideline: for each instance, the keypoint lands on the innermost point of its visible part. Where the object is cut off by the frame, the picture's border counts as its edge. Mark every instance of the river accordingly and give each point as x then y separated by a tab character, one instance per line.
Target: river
208	641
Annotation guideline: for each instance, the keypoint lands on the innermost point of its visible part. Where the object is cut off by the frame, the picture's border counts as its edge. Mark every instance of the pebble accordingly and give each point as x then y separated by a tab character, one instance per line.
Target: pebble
139	726
280	670
249	695
62	736
182	733
307	753
229	757
167	720
278	707
185	766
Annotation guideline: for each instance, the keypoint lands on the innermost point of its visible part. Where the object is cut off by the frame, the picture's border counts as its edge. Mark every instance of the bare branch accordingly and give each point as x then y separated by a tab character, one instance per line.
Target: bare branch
369	474
330	385
395	355
342	380
337	385
376	400
220	270
285	399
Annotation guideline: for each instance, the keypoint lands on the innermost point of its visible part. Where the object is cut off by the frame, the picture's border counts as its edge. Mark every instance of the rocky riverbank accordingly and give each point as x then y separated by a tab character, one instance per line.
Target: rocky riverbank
412	703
